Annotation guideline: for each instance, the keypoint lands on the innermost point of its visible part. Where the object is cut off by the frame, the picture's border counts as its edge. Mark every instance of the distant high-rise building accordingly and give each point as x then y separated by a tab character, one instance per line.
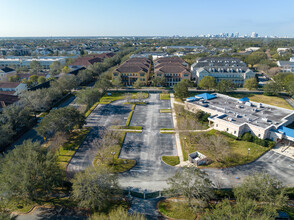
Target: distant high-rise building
254	35
237	34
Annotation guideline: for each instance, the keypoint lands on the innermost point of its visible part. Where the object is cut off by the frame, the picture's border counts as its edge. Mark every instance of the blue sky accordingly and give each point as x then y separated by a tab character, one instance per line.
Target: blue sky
142	18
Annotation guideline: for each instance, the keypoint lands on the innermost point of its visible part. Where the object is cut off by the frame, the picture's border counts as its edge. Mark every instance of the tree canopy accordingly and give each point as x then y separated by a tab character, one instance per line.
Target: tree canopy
207	82
181	88
60	120
225	86
94	188
193	184
28	172
251	84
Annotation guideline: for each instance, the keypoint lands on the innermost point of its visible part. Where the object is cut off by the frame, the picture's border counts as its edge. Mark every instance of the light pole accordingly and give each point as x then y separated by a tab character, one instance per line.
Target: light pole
112	153
248	153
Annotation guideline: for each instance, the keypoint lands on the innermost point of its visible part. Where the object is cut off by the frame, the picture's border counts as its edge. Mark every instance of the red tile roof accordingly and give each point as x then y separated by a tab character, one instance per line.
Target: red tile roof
7	100
9	84
91	59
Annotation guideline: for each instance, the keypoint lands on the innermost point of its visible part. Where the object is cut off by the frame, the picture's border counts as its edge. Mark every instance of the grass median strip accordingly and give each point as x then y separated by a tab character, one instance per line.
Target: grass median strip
130	116
167	130
106	99
126	127
91	109
68	149
164	96
135	103
171	160
109	156
165	111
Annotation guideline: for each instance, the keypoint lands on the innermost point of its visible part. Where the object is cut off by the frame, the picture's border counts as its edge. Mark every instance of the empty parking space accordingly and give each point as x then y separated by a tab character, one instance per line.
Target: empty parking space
101	117
147	147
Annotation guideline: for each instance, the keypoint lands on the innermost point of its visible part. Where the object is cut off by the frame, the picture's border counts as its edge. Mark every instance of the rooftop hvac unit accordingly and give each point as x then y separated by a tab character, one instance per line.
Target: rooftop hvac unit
248	104
265	119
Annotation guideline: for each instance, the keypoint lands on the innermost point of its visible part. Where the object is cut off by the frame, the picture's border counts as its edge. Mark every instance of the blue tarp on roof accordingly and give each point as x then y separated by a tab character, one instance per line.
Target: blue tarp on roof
245	99
191	99
287	131
205	96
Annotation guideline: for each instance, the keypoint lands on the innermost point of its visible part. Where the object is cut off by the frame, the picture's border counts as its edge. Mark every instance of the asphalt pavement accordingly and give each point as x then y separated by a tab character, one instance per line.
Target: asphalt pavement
150	173
100	118
273	163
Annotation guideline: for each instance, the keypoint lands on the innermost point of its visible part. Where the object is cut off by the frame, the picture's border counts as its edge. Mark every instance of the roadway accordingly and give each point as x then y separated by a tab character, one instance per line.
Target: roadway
275	164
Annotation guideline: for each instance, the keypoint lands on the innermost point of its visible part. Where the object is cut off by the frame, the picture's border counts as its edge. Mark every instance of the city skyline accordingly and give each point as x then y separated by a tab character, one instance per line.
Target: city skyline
34	18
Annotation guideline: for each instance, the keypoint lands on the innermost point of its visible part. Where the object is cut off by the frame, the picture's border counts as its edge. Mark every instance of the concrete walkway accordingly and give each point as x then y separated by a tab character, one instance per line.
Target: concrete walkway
177	134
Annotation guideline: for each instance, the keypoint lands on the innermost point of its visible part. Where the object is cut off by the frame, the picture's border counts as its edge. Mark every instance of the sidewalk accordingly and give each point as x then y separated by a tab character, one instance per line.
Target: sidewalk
177	134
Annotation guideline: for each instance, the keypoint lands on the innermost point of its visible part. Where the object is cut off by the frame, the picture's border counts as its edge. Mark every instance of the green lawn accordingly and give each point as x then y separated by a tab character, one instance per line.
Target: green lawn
21	206
270	100
106	99
165	111
66	152
167	129
238	150
87	113
126	127
171	160
176	209
135	103
164	96
129	118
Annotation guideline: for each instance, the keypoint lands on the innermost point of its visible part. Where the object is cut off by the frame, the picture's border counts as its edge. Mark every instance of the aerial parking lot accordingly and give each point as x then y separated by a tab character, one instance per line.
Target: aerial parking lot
103	116
150	172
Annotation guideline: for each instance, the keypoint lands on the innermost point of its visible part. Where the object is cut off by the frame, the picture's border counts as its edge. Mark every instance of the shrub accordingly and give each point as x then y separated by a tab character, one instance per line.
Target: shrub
247	137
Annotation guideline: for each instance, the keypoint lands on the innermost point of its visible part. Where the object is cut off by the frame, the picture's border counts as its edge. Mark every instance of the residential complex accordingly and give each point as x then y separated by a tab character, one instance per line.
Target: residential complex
286	66
222	68
238	116
134	69
25	61
5	72
12	88
6	99
88	60
173	69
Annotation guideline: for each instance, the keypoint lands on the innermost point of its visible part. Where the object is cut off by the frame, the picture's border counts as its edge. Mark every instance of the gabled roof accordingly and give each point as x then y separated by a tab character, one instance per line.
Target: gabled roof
7	100
9	84
171	68
91	59
134	65
6	69
205	96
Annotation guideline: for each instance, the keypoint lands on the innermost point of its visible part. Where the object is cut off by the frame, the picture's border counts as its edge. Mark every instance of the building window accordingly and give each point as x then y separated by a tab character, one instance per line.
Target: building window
259	135
216	125
142	74
227	129
235	132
